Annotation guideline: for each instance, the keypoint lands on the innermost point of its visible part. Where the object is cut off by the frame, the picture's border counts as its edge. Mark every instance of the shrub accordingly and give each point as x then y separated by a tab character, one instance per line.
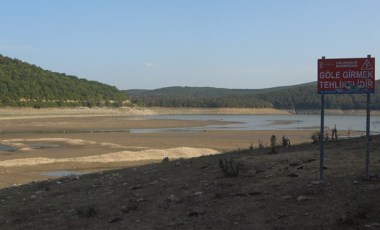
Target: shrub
315	137
261	145
229	167
273	140
285	141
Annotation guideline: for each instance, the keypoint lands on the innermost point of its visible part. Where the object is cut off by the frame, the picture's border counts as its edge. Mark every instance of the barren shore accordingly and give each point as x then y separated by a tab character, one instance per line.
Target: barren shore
83	140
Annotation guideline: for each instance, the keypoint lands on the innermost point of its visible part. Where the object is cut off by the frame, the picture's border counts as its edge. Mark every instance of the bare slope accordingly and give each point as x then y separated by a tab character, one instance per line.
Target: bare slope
272	191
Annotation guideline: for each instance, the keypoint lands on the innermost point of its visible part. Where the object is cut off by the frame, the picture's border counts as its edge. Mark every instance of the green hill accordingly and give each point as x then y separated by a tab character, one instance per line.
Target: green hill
297	97
23	84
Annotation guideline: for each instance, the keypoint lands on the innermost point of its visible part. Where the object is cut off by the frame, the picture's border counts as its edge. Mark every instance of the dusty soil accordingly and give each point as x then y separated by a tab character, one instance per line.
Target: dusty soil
271	191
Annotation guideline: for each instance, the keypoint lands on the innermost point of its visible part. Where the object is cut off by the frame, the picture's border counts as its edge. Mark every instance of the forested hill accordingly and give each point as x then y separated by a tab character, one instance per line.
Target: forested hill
23	84
298	97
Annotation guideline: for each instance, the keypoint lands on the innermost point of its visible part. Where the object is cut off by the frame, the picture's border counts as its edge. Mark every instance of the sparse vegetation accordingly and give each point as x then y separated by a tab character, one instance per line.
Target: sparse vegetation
273	142
261	145
285	141
271	192
230	167
315	137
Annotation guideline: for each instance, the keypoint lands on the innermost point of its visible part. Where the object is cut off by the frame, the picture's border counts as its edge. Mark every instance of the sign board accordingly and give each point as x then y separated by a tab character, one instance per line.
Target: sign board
346	75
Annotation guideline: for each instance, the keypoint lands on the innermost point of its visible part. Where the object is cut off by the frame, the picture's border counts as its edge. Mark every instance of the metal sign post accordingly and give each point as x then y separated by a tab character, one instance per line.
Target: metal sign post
346	76
367	137
321	136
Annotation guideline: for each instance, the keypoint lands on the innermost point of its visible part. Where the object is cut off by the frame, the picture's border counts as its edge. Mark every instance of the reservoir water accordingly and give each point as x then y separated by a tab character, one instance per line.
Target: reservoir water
272	122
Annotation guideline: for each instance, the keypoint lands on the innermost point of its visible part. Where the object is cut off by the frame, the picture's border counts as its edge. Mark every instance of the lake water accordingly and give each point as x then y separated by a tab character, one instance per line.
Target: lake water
272	122
62	173
7	148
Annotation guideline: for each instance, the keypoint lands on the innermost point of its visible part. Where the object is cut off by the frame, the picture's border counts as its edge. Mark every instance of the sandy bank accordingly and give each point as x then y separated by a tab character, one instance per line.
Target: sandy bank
150	154
22	113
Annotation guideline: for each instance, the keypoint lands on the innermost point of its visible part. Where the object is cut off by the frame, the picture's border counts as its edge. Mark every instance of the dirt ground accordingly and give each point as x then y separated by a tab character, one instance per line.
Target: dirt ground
278	190
271	191
54	140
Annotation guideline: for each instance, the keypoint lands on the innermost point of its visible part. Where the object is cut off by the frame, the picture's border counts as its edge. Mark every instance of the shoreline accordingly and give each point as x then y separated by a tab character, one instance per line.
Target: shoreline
46	139
24	113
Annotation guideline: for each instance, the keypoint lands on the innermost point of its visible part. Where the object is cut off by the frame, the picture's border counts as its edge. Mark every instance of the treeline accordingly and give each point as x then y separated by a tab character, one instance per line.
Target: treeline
23	84
299	97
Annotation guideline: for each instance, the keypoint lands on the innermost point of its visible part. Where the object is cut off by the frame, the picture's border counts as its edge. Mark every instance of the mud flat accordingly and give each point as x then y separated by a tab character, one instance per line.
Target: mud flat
35	141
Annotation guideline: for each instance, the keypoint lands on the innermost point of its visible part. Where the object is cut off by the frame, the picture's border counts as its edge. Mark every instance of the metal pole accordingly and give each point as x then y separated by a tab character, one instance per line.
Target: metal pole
321	137
367	137
367	134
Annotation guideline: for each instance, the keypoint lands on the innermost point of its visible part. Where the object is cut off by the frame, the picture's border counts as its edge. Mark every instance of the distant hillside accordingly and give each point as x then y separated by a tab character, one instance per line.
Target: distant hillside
23	84
297	97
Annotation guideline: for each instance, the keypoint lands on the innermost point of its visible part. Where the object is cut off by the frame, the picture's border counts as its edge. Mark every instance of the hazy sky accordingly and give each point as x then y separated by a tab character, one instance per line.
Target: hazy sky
157	43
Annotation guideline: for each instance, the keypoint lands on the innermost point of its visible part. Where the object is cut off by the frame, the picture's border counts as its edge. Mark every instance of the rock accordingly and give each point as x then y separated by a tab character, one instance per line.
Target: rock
355	182
302	198
177	164
292	175
114	220
198	193
165	160
254	193
372	226
135	187
315	182
173	198
191	214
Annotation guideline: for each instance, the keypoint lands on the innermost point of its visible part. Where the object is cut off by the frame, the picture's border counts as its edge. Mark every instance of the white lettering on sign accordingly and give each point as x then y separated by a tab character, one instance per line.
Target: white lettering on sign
346	75
329	75
358	74
346	85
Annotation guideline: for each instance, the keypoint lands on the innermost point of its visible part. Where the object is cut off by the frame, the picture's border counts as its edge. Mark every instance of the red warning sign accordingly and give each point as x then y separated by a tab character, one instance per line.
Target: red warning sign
346	75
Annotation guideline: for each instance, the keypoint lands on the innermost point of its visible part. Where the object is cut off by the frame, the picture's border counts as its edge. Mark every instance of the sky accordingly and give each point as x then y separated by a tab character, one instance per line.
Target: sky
149	44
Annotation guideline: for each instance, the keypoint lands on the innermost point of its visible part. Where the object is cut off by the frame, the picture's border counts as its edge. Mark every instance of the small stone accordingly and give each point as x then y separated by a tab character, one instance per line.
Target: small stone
177	164
292	175
135	187
173	198
198	193
114	220
315	182
302	198
287	197
372	226
355	182
191	214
